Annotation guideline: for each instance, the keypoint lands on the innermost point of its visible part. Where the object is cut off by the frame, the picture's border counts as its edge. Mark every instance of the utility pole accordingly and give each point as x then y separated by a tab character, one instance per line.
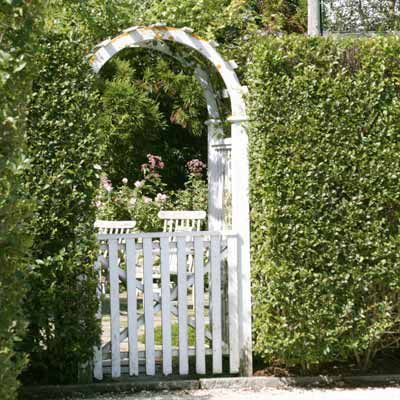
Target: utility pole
314	18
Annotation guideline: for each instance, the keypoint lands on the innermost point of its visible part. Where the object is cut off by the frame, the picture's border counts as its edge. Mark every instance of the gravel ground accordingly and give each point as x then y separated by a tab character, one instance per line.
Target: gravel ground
390	393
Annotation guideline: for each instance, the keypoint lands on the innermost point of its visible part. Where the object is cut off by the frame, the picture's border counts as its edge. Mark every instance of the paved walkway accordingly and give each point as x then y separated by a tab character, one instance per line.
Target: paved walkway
392	393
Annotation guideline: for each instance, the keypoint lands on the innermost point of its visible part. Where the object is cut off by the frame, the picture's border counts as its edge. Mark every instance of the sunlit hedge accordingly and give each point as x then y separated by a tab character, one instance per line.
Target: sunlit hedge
325	198
63	149
16	42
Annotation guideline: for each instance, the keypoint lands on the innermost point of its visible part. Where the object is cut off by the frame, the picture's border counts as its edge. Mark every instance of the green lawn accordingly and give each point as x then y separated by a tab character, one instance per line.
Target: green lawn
174	333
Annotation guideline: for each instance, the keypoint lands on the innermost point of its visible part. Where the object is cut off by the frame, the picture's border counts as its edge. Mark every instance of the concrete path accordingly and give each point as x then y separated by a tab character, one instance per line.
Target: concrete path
391	393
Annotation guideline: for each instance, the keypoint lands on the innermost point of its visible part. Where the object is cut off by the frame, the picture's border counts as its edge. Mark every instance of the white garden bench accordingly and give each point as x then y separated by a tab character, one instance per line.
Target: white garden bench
182	221
113	227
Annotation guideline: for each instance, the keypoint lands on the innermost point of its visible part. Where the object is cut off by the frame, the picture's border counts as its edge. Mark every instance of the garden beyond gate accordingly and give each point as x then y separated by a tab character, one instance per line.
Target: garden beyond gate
154	326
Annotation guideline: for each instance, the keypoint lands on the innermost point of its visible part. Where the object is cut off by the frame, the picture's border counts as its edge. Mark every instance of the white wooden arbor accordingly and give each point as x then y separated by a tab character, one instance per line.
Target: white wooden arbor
157	37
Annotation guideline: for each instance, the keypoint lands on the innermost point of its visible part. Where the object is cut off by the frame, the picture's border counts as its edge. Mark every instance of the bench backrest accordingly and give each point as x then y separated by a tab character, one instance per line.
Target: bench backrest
182	221
114	227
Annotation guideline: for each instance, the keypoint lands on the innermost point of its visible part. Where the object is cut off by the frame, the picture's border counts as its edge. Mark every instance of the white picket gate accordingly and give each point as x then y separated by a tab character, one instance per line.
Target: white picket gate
153	328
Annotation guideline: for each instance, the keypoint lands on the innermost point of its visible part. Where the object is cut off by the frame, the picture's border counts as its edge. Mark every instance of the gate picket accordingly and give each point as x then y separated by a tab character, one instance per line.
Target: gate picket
233	311
98	352
132	306
114	307
182	307
148	305
165	307
199	306
215	253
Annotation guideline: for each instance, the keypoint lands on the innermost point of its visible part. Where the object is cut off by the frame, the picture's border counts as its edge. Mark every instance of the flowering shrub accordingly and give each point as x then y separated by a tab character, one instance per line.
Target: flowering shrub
143	200
140	202
196	167
195	194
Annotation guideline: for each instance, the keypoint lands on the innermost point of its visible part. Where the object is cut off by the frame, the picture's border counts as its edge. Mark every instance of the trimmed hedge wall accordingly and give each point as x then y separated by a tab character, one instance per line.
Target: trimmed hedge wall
16	22
63	148
325	196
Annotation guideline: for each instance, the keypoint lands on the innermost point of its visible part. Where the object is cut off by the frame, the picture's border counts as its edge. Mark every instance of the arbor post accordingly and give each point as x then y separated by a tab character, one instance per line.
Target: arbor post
241	225
314	18
215	189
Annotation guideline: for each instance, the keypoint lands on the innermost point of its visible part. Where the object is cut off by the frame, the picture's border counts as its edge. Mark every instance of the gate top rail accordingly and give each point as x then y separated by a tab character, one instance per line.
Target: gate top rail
157	235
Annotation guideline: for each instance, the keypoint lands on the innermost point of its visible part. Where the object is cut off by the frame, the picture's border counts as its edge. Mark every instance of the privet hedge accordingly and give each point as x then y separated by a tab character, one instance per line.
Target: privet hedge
16	25
62	180
325	197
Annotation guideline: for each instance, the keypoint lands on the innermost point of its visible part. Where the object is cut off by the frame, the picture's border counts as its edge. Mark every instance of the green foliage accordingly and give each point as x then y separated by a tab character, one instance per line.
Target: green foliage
178	92
284	15
325	198
130	123
16	39
129	203
150	104
142	200
229	20
203	16
194	196
167	116
63	148
174	336
94	20
139	202
234	24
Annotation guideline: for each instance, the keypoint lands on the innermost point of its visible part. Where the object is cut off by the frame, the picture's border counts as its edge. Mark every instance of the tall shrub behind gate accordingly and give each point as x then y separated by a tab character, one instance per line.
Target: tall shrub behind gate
325	190
63	148
16	42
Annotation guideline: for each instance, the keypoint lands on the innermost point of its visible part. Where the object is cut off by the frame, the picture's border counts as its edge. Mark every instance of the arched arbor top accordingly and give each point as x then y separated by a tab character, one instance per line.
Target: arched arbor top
141	37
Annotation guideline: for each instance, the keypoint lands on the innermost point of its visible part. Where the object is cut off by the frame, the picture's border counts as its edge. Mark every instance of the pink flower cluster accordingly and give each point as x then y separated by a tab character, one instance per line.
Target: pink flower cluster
161	198
195	166
139	184
106	183
155	163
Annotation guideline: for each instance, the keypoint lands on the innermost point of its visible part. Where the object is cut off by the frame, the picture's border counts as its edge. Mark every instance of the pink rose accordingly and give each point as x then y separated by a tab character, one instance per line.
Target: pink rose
106	183
161	198
195	166
155	162
139	184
